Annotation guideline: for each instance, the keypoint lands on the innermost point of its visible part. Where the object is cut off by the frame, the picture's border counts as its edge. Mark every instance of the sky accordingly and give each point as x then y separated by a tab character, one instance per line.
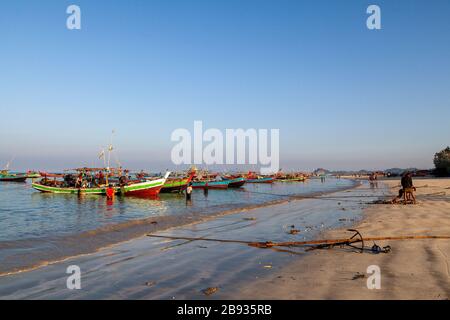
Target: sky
343	96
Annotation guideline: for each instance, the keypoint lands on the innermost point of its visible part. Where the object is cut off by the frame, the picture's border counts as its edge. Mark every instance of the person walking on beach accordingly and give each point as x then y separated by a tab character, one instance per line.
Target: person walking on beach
322	178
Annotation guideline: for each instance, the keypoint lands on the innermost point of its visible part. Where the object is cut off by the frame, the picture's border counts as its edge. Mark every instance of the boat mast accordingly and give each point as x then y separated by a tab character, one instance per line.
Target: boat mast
110	149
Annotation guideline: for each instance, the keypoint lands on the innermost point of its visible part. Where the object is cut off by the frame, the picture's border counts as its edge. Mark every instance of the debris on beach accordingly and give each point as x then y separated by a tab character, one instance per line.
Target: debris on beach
380	202
210	291
268	266
250	219
154	222
294	231
150	283
358	276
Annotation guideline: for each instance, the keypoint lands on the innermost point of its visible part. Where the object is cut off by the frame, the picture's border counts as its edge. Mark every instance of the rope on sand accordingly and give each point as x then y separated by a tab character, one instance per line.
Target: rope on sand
318	197
356	238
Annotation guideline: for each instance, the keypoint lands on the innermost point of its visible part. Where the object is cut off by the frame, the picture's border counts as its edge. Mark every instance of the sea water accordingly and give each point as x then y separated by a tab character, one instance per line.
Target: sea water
38	226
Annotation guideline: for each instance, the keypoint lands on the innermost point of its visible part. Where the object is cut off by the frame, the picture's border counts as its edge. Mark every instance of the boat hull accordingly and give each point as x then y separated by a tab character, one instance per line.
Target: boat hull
291	180
211	184
59	190
261	180
13	178
236	183
173	186
143	189
140	189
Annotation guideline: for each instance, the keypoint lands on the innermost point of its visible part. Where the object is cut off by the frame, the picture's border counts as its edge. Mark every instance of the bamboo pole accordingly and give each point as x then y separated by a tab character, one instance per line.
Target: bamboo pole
270	244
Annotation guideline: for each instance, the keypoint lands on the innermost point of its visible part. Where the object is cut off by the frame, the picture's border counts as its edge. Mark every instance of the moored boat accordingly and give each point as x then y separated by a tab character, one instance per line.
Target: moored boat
299	179
136	188
261	180
252	177
220	184
173	185
236	182
12	177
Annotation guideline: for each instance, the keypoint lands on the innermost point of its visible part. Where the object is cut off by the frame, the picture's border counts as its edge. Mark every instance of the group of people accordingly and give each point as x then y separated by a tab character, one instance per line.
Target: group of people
84	179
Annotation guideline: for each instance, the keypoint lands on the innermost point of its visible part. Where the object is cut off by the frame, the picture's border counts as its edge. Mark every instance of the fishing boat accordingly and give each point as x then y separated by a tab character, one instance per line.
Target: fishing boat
173	185
134	188
261	180
235	182
252	177
11	177
33	175
290	177
220	184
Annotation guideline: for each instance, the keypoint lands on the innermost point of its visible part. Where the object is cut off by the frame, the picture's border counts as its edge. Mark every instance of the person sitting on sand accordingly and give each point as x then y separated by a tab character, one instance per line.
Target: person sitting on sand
407	183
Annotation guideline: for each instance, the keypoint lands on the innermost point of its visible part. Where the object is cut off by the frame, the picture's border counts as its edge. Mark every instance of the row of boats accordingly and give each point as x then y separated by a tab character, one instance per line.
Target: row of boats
97	180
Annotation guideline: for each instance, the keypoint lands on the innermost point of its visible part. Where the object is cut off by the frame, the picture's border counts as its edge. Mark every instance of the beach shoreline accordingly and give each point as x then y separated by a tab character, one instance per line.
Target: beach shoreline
414	269
92	241
199	264
151	268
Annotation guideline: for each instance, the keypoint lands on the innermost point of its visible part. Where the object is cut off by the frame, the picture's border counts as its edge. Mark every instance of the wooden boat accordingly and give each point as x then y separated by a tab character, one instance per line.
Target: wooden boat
290	177
253	177
299	179
33	175
221	184
11	177
147	188
173	185
236	182
261	180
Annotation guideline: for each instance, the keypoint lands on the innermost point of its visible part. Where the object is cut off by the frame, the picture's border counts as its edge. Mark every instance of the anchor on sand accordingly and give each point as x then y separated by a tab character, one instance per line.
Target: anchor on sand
315	244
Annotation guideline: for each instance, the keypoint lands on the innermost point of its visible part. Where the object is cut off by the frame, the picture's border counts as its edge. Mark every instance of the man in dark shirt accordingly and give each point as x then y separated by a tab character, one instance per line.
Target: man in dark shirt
406	183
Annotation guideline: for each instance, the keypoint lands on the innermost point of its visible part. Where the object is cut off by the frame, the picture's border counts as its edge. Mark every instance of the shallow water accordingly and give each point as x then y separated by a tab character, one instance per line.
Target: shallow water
181	269
26	213
36	227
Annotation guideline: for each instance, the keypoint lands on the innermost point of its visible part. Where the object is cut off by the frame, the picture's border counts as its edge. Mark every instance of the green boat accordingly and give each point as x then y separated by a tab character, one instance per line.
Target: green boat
146	188
11	177
174	185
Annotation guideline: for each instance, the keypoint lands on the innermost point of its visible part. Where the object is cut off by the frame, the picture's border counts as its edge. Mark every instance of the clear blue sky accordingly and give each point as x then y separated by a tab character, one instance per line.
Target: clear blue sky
343	97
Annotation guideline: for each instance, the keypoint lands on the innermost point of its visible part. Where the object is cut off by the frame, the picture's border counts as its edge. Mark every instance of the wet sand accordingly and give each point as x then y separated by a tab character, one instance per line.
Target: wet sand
154	268
415	269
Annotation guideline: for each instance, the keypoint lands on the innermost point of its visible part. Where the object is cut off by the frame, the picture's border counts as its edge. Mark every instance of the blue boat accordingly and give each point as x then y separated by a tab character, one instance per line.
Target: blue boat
221	184
261	180
235	182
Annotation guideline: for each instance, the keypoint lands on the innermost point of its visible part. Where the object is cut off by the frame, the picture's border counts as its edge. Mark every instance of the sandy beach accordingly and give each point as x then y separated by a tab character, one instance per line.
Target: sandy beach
414	269
156	268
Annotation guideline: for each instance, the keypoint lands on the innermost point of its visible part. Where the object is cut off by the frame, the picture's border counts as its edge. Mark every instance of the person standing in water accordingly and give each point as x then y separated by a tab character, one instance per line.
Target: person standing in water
189	192
110	192
205	190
